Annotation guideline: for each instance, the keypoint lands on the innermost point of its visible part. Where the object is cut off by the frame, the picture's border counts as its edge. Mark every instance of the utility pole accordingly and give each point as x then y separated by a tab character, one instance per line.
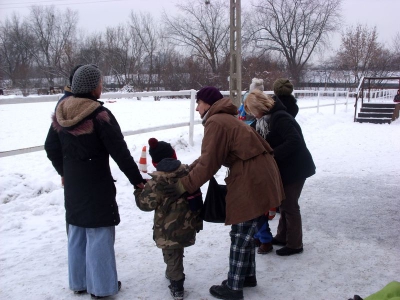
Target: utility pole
235	70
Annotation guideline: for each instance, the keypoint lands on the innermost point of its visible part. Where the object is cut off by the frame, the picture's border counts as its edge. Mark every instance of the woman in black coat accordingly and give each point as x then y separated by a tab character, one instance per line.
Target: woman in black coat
84	134
294	161
283	89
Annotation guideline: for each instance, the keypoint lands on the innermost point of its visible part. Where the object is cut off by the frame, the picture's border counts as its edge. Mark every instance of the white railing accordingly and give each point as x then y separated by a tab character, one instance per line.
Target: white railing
319	95
380	95
157	94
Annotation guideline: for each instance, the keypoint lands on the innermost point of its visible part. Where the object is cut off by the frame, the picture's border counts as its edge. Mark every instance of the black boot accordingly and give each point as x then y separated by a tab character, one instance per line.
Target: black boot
286	251
176	288
249	281
356	297
278	243
223	292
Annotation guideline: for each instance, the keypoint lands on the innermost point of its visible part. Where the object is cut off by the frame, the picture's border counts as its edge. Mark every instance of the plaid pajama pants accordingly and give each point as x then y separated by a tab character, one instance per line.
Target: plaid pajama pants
242	256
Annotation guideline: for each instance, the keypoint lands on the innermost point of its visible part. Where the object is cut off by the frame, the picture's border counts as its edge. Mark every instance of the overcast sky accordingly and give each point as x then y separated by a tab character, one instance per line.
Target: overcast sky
95	15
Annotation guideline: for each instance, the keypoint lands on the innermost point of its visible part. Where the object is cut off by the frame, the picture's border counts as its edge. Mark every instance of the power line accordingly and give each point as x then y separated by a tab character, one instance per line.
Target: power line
23	3
60	4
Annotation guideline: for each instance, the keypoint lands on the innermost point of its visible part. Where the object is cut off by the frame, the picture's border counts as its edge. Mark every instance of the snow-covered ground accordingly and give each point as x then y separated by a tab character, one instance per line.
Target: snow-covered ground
350	209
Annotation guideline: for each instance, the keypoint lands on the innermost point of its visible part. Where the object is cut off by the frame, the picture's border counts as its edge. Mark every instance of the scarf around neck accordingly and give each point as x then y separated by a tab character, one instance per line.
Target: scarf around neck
262	125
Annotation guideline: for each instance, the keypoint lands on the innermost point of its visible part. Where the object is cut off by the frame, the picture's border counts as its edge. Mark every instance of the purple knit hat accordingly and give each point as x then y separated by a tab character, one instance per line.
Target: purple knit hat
209	95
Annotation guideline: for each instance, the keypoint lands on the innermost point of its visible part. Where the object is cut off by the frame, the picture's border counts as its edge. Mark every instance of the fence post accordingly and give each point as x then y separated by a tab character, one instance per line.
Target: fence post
347	99
318	103
191	121
334	105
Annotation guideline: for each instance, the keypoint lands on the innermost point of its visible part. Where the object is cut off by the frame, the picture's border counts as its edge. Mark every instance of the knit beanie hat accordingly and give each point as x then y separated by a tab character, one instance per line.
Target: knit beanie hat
86	79
209	95
283	86
257	83
159	150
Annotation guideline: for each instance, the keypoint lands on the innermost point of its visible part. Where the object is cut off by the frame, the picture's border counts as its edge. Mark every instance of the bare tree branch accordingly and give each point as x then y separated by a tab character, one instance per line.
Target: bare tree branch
293	28
361	54
203	30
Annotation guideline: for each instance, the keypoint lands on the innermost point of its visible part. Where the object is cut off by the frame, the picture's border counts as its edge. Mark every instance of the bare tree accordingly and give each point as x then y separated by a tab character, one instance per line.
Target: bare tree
91	50
202	30
144	27
294	29
261	66
54	31
361	54
169	66
396	52
16	59
123	52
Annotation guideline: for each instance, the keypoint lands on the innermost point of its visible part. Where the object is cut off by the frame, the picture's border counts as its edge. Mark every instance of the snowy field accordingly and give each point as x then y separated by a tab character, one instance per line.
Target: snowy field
350	209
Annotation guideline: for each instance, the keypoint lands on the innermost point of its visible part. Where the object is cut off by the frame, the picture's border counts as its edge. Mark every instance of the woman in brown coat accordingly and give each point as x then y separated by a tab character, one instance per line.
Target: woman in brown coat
253	183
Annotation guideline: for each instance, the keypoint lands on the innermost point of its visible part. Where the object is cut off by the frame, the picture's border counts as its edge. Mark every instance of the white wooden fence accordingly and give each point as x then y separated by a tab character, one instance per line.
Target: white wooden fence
186	93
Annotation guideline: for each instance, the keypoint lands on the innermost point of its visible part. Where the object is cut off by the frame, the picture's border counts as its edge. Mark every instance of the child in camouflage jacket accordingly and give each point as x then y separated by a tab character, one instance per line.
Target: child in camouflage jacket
175	222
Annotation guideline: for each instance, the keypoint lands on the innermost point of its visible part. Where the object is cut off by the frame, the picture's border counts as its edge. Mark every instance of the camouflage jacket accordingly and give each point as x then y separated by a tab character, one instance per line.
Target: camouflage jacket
175	225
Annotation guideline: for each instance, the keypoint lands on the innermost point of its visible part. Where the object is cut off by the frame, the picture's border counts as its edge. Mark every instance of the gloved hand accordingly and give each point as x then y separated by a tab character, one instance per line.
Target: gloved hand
195	201
172	190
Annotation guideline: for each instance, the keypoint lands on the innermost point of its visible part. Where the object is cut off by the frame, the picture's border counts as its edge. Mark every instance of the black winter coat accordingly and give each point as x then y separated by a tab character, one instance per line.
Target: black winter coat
290	151
83	136
290	102
67	93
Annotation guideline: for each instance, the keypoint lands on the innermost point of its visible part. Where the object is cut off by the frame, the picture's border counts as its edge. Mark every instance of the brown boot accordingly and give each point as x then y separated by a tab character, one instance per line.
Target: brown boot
265	248
257	242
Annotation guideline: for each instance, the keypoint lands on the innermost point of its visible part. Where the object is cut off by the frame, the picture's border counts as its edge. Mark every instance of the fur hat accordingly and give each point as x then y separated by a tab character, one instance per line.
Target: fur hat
257	83
85	79
209	95
159	150
283	86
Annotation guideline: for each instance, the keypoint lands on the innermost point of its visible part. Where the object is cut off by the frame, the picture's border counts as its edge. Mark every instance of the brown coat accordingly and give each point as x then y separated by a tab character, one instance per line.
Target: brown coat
253	184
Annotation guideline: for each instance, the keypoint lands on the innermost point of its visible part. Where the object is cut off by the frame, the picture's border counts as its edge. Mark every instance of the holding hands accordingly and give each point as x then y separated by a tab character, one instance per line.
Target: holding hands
173	189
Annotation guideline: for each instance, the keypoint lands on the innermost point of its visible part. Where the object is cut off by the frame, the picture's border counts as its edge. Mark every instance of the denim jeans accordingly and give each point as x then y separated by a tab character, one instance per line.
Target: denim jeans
91	260
264	232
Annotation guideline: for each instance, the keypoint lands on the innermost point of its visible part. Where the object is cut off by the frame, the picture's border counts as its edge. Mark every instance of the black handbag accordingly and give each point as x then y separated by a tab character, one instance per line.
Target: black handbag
214	209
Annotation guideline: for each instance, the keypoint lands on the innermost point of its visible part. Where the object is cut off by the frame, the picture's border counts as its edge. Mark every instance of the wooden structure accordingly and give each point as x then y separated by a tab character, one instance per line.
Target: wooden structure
372	112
